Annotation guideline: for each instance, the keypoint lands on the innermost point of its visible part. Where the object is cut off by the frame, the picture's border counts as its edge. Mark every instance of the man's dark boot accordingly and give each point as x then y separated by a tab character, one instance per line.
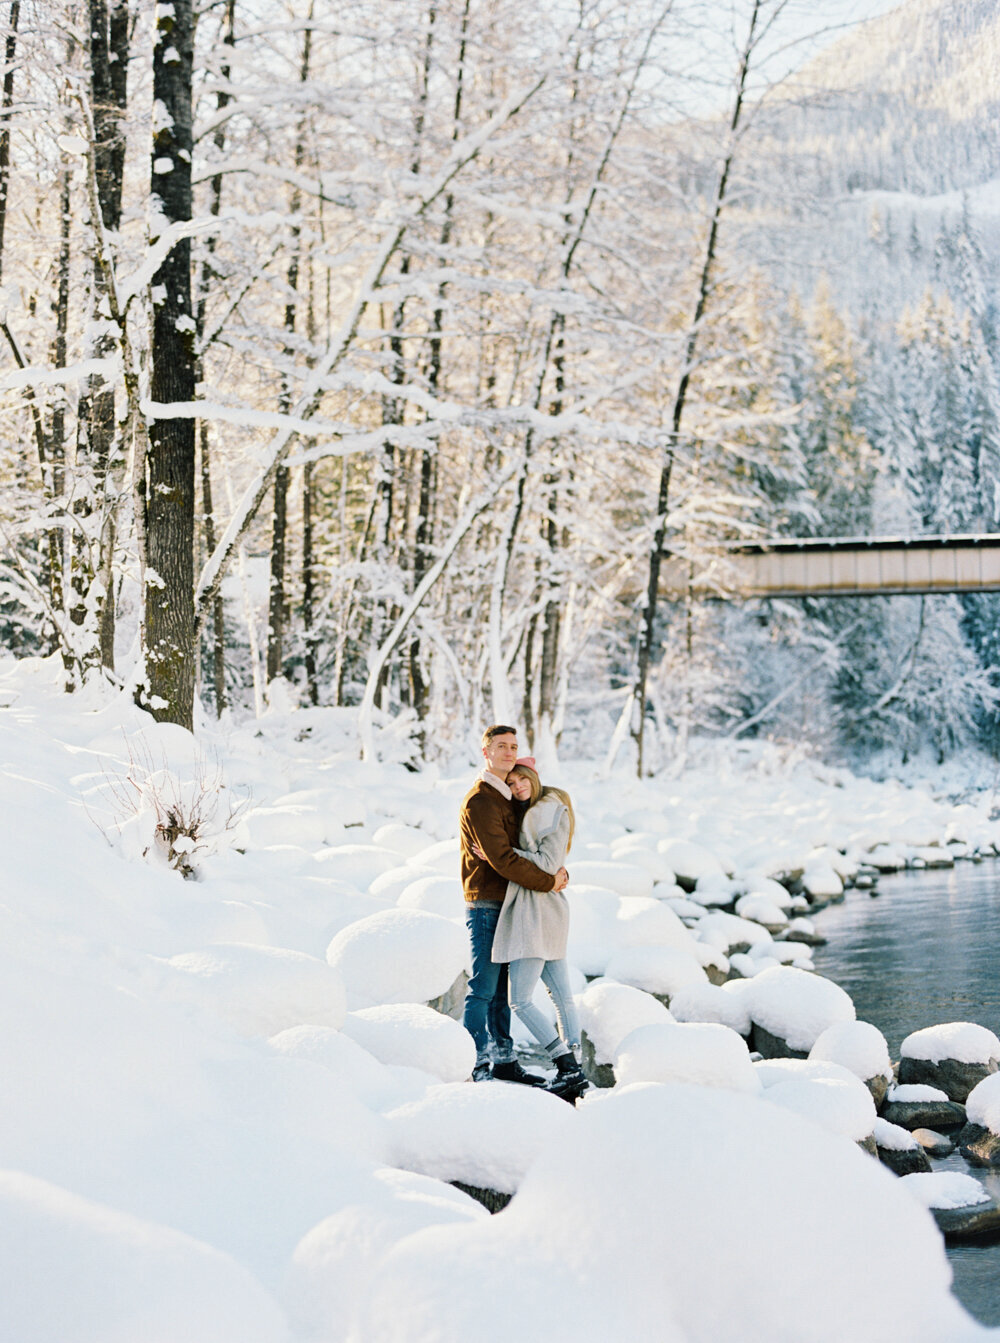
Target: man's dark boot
513	1072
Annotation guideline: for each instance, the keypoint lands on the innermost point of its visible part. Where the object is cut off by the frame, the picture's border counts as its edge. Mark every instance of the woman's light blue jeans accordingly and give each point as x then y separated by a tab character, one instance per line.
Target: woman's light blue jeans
524	975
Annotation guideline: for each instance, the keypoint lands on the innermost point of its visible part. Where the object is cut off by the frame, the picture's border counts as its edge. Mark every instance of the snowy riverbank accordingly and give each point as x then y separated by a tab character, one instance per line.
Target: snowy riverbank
231	1115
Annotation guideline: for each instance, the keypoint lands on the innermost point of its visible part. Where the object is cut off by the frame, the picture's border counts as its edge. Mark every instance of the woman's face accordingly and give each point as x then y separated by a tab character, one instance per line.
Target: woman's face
519	785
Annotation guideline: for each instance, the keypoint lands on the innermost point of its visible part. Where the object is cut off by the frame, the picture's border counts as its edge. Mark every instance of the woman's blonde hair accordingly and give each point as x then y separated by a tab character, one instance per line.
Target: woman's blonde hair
537	792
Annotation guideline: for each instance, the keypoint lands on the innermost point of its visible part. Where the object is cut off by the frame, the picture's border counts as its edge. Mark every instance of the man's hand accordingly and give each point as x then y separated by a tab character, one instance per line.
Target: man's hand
562	879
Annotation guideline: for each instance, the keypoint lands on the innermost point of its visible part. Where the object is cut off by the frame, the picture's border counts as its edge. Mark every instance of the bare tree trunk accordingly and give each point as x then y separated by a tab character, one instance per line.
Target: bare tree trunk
108	85
647	631
277	602
10	51
222	100
169	587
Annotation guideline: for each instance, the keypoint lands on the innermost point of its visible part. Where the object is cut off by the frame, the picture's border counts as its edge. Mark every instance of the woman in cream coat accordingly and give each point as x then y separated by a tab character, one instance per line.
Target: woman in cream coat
534	925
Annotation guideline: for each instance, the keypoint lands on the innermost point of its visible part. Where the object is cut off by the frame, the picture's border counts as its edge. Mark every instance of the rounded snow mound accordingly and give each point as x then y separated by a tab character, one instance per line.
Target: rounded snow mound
485	1134
624	878
414	1036
337	1261
729	930
762	910
710	1003
795	1005
437	895
258	990
963	1041
678	1173
916	1091
357	1070
406	840
893	1137
773	1071
609	1010
842	1107
81	1270
445	856
398	956
945	1189
982	1105
703	1054
357	864
661	970
858	1046
647	921
689	860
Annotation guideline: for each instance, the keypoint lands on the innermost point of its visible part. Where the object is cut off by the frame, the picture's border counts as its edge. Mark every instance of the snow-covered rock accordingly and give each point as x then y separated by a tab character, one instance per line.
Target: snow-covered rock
691	862
79	1270
414	1036
794	1008
358	864
258	990
624	878
673	1277
485	1135
609	1010
763	911
438	895
834	1103
658	970
703	1054
954	1056
862	1049
945	1189
711	1003
398	956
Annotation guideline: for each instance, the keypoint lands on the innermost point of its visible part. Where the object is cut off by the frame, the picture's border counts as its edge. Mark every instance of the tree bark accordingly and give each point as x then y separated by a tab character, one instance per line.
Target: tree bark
10	51
277	601
648	627
169	587
222	100
109	100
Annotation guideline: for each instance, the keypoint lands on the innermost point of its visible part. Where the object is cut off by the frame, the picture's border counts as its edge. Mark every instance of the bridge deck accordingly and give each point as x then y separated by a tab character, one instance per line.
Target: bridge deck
839	567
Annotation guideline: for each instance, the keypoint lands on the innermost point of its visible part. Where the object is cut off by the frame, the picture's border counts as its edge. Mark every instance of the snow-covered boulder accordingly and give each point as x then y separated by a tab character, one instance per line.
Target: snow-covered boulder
438	895
257	990
77	1269
821	882
337	1262
445	856
641	851
730	933
484	1135
711	1003
414	1036
763	911
608	1011
959	1203
703	1054
641	922
390	885
916	1105
862	1049
691	862
676	1276
360	1072
398	956
406	840
979	1140
357	864
792	1008
657	970
954	1056
897	1148
624	878
842	1106
594	929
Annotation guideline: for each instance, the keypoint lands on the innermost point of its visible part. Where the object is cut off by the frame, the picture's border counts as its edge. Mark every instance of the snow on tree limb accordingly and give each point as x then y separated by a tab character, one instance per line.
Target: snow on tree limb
463	153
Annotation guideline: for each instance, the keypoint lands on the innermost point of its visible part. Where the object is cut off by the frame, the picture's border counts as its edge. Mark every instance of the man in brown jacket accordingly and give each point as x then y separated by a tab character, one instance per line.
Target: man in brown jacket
490	821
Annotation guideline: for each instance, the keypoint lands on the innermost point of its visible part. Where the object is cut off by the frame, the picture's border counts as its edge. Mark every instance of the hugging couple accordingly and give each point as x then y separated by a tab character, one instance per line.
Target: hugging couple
515	836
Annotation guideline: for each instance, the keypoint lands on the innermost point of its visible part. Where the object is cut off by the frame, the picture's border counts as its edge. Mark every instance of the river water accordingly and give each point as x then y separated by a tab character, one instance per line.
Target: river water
924	951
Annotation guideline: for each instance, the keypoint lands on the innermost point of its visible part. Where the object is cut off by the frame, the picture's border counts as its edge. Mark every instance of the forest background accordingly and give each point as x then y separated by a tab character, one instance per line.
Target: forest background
377	355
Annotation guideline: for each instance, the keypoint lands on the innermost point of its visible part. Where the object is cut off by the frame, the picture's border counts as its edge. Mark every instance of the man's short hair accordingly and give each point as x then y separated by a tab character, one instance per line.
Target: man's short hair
497	730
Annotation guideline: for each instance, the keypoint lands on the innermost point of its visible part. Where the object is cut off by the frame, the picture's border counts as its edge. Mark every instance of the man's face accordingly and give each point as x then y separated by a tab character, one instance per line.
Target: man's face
500	754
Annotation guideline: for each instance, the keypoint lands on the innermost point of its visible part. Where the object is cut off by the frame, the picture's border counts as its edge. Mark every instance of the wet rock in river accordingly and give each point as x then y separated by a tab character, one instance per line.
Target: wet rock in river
934	1144
954	1056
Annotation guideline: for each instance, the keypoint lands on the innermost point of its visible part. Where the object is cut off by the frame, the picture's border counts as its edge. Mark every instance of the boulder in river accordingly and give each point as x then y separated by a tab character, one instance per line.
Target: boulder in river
861	1048
958	1203
897	1149
924	1114
934	1144
954	1056
979	1141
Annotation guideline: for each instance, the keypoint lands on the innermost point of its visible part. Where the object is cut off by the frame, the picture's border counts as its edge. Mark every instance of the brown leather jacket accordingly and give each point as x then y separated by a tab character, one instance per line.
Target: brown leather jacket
489	820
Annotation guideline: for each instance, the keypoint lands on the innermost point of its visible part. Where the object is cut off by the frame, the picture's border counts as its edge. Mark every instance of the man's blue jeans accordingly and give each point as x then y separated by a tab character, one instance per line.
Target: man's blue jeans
487	1011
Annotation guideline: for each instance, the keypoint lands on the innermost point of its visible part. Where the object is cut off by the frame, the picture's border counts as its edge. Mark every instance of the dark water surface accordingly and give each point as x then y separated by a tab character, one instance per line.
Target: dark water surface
927	950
